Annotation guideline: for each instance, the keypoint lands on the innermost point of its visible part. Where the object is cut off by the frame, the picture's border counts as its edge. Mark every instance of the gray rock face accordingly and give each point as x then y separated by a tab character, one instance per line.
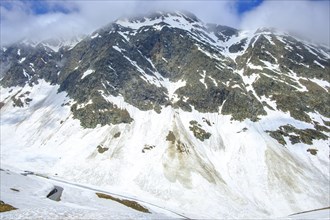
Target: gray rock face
224	33
136	60
22	63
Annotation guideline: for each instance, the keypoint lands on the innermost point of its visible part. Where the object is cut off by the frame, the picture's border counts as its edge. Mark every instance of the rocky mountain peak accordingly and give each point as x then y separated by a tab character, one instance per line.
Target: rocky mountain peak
173	59
177	19
162	15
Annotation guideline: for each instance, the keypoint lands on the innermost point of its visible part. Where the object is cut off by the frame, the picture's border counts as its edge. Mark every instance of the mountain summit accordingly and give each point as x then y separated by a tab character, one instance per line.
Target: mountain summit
205	119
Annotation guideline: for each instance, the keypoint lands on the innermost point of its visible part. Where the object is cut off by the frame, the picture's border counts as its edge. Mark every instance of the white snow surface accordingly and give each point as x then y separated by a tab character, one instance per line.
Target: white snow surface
87	72
319	214
22	60
28	195
54	44
176	20
26	74
233	174
317	63
95	35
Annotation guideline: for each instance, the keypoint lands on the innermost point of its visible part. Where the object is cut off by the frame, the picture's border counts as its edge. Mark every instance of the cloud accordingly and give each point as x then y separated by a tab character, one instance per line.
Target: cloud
220	12
309	19
19	20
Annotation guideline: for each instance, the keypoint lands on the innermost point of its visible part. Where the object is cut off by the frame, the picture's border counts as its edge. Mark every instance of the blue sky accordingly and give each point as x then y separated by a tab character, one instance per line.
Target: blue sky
41	7
243	6
44	19
38	7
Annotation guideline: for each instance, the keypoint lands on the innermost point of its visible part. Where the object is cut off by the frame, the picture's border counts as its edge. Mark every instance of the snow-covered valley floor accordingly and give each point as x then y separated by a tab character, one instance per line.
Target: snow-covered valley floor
28	193
314	214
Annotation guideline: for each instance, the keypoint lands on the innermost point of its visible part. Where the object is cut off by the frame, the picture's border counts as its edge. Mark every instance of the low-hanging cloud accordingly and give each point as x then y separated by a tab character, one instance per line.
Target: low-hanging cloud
19	21
308	18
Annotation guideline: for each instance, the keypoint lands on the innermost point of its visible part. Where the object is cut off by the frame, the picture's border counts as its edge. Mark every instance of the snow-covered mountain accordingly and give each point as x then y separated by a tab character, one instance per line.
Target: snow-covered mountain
204	119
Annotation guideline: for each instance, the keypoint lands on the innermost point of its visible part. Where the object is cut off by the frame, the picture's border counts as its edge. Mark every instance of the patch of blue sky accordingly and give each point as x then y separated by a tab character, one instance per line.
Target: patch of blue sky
243	6
39	7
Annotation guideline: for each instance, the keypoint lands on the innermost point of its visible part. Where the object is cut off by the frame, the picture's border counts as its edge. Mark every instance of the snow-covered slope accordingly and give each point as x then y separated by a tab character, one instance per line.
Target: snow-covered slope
27	193
239	168
316	214
205	121
55	44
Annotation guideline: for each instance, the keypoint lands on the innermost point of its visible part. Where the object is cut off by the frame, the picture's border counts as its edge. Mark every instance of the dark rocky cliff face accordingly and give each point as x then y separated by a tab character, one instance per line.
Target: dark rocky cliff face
142	59
22	63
